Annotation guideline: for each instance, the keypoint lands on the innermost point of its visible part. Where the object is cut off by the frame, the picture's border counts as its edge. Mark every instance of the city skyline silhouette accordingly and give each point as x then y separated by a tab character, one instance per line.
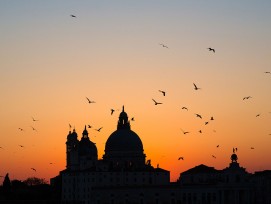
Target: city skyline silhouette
55	56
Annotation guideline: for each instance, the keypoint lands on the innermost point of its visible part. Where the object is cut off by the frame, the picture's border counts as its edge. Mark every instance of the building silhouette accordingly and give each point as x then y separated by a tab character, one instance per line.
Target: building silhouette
124	176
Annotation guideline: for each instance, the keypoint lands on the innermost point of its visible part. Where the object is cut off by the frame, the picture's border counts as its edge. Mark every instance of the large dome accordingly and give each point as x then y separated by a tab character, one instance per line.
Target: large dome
87	148
124	140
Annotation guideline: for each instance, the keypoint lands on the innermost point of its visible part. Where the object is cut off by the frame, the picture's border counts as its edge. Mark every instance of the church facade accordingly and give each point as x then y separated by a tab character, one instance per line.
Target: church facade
124	176
124	164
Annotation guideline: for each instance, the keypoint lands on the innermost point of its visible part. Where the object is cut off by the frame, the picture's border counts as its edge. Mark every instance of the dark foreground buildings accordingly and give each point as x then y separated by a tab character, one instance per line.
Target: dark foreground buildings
124	176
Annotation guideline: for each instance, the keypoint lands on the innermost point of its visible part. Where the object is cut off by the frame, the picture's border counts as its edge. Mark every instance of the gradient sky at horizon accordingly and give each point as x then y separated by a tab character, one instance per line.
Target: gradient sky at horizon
110	53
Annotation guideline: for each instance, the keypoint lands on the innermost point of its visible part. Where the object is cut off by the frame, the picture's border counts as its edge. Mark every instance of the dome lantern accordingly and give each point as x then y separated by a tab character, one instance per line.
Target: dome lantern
123	122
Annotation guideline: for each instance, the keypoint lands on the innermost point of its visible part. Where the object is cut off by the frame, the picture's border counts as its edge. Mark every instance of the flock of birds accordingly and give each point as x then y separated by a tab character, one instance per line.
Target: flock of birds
196	88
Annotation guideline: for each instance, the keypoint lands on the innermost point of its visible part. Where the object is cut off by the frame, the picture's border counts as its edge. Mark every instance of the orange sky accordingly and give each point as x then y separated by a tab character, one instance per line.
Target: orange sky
50	62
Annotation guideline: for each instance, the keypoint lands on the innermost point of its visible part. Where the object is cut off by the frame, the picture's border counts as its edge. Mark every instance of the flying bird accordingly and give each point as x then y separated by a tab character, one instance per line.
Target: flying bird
214	156
89	101
33	169
200	131
163	92
195	87
180	158
163	45
155	102
247	97
211	49
21	129
33	128
185	108
217	146
267	72
212	118
73	16
258	115
21	145
34	119
112	111
198	115
132	119
99	129
252	148
184	132
89	126
206	123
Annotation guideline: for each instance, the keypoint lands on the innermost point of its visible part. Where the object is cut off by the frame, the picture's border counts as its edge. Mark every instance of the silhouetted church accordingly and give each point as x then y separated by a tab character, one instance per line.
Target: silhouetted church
124	176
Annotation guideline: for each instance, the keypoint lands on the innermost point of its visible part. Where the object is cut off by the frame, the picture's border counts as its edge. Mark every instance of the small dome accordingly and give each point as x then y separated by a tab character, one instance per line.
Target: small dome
72	135
87	148
123	115
124	140
234	158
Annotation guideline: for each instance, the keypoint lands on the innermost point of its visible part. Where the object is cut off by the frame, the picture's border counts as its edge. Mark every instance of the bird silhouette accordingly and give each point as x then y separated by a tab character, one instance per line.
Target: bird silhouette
21	129
185	108
184	132
99	129
247	97
112	111
155	102
163	45
258	115
21	145
89	101
251	147
180	158
89	126
206	123
212	118
73	16
70	125
132	119
34	119
217	146
163	92
211	49
33	128
214	156
267	72
195	87
198	115
33	169
200	131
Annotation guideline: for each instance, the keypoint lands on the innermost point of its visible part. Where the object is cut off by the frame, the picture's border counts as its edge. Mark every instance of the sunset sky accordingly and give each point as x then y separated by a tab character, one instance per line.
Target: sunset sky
111	53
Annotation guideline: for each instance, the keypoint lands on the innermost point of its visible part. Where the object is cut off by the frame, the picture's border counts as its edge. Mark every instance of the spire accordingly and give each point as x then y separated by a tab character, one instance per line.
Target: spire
123	122
85	132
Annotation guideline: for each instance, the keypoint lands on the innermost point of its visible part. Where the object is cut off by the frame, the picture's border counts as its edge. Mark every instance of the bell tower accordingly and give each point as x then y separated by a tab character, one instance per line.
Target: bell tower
72	157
